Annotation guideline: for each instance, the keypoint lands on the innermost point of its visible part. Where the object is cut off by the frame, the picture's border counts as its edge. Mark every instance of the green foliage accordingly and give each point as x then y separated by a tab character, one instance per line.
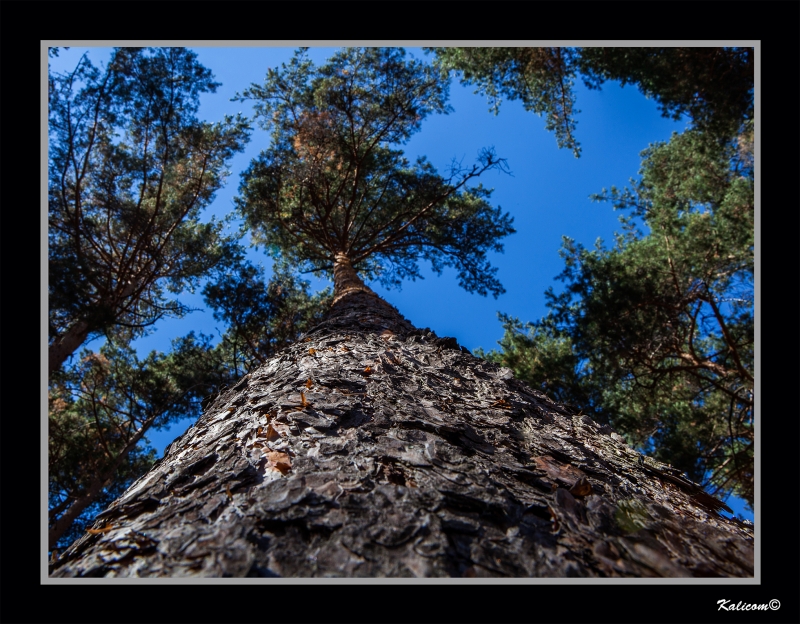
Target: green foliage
130	170
656	335
713	86
542	78
332	183
262	317
101	408
543	356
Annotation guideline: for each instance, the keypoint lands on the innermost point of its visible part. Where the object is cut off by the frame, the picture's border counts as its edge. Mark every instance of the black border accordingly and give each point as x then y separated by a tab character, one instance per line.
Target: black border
24	599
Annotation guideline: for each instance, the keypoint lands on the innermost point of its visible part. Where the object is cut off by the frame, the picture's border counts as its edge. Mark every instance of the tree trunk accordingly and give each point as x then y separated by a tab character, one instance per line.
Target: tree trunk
373	449
65	345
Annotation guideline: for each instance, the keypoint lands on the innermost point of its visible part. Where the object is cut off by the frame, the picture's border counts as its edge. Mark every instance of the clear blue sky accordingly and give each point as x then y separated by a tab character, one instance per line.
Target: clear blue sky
547	193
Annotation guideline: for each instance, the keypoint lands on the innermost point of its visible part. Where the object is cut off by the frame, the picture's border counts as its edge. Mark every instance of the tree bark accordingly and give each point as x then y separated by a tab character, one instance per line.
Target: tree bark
373	449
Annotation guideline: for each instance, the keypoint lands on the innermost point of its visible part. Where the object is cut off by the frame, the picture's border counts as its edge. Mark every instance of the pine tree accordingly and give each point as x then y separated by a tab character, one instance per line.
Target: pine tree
656	335
130	170
373	448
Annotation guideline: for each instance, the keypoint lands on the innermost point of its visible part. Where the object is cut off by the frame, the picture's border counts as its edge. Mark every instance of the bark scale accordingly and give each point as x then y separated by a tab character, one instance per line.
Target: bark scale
371	448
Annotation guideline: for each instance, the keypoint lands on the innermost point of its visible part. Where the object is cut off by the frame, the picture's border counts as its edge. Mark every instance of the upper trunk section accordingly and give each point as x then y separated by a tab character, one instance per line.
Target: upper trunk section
345	278
356	306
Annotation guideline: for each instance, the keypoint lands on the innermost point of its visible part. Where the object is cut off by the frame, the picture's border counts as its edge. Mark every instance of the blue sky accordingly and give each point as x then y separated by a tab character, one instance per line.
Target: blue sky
547	193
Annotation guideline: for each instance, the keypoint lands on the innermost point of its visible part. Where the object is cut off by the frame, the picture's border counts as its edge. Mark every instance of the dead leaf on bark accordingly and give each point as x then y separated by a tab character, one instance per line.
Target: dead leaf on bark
555	469
554	516
582	487
279	461
272	433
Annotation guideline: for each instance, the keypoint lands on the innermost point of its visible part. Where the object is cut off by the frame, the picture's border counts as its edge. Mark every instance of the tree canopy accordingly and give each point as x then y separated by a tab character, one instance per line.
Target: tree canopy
263	315
100	410
712	85
655	335
130	170
332	181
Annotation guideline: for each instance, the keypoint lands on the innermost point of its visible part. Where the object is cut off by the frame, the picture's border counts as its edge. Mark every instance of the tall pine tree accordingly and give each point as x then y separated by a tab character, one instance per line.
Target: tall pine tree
373	448
130	170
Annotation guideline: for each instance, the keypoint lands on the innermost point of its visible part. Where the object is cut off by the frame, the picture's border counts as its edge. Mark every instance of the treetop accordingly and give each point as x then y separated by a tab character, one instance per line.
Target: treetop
333	181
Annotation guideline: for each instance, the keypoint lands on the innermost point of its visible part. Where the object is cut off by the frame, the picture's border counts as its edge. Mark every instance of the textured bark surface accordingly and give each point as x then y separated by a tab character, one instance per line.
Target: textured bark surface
373	449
